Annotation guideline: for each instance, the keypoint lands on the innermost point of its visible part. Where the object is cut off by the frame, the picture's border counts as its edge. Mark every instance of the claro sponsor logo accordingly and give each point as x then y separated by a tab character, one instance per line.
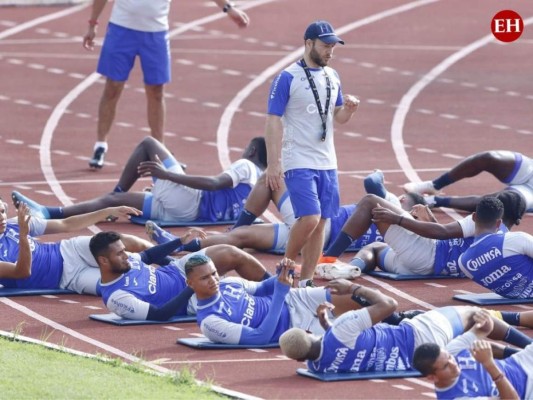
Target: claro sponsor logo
475	263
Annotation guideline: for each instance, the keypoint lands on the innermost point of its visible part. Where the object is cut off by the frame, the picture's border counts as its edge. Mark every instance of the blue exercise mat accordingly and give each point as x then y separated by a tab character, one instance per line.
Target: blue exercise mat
403	277
204	343
489	299
142	221
114	319
11	292
357	376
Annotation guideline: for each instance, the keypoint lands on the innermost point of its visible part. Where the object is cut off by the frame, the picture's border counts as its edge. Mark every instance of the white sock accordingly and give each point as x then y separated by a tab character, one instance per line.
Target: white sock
100	144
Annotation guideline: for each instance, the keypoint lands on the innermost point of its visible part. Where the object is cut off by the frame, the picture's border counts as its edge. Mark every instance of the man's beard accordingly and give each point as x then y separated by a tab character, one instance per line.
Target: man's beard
315	57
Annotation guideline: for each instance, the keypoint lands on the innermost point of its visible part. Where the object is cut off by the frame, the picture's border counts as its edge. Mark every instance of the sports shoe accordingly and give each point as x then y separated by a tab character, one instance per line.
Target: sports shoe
425	187
337	270
306	283
157	234
36	209
97	162
409	314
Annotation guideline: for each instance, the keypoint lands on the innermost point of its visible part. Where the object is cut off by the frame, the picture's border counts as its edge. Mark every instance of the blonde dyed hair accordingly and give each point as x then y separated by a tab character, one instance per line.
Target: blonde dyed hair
295	343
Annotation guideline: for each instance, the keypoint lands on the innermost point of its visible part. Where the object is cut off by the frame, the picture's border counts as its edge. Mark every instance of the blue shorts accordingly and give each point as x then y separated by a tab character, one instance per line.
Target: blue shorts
122	45
313	192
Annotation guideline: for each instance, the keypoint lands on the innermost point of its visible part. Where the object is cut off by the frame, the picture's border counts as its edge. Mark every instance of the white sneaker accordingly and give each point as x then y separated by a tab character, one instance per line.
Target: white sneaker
425	187
337	270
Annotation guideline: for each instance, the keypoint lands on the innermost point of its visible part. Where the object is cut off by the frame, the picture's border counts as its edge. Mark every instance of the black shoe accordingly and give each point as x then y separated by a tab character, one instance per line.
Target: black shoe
97	161
410	314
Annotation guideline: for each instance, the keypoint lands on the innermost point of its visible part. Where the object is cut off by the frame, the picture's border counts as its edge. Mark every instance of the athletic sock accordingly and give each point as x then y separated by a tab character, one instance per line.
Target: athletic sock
517	338
442	201
359	262
266	276
341	243
101	144
512	318
193	245
55	212
508	351
158	254
118	189
245	218
374	184
442	181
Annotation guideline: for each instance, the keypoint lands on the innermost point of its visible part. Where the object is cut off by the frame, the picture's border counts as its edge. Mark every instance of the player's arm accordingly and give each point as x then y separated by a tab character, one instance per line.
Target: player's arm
345	112
482	351
176	306
97	8
239	17
82	221
22	268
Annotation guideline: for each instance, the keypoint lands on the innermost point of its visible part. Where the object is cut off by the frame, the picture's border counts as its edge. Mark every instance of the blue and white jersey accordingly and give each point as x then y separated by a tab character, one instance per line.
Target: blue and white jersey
227	204
131	294
501	262
475	382
47	262
239	308
352	344
371	235
292	99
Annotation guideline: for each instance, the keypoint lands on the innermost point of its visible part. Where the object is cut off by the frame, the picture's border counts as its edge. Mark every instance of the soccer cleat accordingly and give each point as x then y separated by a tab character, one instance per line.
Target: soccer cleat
97	162
337	270
409	314
36	209
158	234
425	187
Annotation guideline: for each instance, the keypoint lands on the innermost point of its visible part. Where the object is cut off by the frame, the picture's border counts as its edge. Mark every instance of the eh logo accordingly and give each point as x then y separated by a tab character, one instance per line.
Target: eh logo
507	26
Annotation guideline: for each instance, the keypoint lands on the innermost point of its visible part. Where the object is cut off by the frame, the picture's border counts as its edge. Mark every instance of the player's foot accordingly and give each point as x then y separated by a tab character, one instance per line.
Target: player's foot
337	270
425	187
97	162
158	234
36	209
304	283
409	314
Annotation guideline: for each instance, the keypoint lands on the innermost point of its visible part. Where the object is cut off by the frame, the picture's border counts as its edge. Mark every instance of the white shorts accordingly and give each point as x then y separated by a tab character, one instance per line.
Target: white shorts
174	202
526	190
282	232
80	270
434	327
525	359
302	304
409	253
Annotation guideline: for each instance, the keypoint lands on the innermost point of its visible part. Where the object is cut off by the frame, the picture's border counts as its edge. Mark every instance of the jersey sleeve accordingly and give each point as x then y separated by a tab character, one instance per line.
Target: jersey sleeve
242	171
279	94
468	226
347	327
127	305
518	243
219	330
460	343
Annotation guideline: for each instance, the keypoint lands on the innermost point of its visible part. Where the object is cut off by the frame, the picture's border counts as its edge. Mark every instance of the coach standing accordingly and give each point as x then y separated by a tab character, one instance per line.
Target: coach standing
304	100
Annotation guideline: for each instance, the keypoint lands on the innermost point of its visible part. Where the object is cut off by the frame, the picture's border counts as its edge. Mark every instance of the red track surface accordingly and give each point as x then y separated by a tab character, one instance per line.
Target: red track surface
48	107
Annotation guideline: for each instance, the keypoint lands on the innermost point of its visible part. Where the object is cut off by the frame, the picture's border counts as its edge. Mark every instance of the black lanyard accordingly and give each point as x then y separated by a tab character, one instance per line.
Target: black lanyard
323	113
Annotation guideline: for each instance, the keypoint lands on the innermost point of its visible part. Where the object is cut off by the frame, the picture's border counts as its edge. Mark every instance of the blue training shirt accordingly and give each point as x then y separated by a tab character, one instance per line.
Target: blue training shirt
47	262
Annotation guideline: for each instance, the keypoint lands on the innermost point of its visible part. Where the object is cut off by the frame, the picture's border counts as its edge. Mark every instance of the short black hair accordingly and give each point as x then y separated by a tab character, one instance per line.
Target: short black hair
488	210
425	356
260	146
194	261
514	206
99	243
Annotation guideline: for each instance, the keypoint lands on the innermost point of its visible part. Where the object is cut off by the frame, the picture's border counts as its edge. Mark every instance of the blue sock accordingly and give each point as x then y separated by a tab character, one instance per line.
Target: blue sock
55	212
374	184
245	218
341	243
158	254
442	181
442	201
359	262
509	351
517	338
512	318
193	245
266	276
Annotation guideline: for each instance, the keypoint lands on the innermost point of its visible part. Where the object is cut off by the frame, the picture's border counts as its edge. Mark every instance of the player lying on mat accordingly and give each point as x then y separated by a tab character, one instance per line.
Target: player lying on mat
65	264
499	260
358	342
511	168
175	196
411	253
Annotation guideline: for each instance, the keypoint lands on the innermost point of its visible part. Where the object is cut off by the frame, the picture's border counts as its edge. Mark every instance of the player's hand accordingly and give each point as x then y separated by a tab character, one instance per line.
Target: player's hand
273	177
23	219
113	213
340	286
154	168
286	271
422	213
382	214
350	102
88	39
483	323
482	351
322	314
240	18
191	234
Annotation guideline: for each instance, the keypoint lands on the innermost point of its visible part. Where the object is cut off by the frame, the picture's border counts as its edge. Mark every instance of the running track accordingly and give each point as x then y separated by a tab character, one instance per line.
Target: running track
434	88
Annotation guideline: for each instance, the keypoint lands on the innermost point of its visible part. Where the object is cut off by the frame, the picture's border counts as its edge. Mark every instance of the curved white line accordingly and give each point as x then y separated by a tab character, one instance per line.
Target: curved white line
41	20
404	106
233	106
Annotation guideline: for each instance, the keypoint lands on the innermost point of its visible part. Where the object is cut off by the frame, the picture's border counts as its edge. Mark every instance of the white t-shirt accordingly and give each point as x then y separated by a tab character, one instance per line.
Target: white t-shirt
141	15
